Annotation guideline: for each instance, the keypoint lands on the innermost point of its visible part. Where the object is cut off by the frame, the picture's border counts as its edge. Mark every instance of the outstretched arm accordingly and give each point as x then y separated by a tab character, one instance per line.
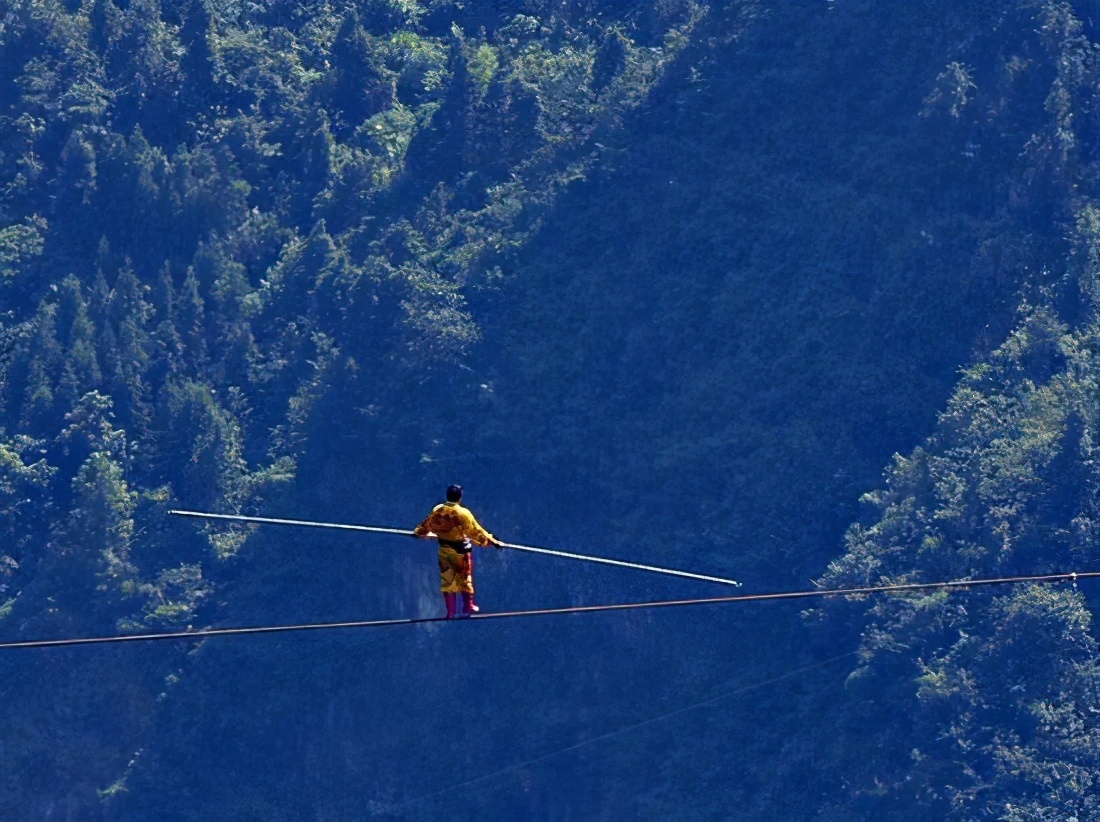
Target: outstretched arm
480	536
424	528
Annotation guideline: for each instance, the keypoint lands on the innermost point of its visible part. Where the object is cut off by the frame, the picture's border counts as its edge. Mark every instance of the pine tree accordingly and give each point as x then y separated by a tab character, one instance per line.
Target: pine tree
192	323
288	290
382	17
78	169
198	61
130	316
167	341
80	372
104	27
435	151
98	534
361	87
39	411
203	440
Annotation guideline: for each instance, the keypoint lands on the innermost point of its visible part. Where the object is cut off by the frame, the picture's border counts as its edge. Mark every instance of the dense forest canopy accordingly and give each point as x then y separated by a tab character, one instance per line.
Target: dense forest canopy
789	292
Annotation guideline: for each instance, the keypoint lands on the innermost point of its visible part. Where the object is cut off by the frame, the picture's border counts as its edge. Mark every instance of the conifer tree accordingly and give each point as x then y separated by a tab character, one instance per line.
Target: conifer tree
315	163
78	170
80	372
99	532
361	86
130	316
197	63
24	482
204	441
382	17
164	304
104	25
435	150
39	411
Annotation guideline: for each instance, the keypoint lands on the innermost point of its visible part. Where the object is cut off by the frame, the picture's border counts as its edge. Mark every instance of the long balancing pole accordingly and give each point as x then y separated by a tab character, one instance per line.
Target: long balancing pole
375	529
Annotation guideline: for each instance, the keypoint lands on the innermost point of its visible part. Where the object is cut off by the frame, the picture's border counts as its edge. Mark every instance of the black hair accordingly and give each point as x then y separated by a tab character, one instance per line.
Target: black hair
454	493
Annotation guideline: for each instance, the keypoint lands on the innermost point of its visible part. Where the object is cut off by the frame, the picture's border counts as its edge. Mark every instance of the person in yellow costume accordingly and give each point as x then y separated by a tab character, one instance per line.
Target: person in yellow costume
457	530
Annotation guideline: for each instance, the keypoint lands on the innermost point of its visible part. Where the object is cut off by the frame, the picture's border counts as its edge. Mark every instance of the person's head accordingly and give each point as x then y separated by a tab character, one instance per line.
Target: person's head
454	493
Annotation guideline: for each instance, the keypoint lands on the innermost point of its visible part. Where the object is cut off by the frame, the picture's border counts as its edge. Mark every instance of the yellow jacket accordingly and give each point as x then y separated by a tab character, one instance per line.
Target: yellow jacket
450	521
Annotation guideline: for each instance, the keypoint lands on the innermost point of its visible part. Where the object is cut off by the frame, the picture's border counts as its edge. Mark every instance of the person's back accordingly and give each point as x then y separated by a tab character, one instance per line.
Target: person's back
456	528
451	522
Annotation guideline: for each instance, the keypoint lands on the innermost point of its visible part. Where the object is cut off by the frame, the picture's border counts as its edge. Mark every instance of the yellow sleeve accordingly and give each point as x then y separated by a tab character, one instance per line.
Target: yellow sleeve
476	534
425	527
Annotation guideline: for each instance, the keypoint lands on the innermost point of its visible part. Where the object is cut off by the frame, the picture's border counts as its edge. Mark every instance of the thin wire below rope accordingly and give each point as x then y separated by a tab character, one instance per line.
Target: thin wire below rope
626	728
912	587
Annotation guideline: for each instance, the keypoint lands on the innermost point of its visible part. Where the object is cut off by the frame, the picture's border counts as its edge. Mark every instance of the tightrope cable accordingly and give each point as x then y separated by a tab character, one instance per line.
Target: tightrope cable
912	587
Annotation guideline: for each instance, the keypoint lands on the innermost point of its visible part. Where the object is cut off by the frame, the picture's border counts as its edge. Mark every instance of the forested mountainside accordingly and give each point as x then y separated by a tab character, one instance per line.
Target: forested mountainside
672	281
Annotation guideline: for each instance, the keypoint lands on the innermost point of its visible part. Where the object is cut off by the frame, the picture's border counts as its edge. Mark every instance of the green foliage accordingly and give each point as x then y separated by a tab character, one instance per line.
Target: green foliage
18	244
420	65
25	475
16	473
203	439
90	429
174	597
102	520
707	262
1017	702
361	86
954	90
1006	485
1087	250
610	59
482	66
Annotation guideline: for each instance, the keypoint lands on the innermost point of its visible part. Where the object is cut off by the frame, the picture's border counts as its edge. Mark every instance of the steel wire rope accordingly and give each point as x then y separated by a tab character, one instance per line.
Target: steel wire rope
911	587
